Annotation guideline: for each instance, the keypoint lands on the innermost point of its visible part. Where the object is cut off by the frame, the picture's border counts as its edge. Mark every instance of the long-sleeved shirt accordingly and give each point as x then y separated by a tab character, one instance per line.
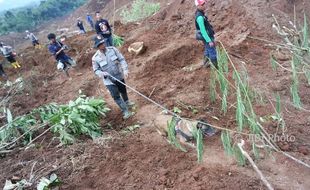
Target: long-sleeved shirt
203	24
53	48
103	28
112	62
6	50
32	37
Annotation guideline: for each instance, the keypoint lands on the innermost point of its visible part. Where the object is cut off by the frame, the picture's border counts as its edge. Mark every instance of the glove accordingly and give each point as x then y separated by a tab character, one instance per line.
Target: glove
212	44
104	74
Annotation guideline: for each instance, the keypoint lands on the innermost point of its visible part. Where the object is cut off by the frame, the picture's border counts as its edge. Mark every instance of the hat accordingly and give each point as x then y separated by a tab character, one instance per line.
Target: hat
98	41
199	2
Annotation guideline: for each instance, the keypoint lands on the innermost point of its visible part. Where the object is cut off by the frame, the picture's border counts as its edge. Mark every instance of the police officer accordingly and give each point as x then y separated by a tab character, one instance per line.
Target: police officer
110	65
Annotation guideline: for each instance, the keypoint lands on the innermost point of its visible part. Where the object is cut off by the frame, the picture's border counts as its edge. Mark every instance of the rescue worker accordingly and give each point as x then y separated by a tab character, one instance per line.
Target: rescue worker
33	38
205	33
104	30
56	48
109	64
90	20
7	52
81	27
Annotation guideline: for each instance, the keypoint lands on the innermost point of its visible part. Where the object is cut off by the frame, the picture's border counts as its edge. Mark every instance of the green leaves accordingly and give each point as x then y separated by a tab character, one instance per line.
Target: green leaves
117	40
79	117
199	145
172	134
212	90
140	9
305	32
48	184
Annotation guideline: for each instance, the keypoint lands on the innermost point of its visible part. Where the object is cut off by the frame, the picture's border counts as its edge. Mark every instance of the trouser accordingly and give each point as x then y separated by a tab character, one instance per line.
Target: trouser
210	52
82	31
11	58
91	24
119	94
108	41
2	73
35	42
65	64
13	61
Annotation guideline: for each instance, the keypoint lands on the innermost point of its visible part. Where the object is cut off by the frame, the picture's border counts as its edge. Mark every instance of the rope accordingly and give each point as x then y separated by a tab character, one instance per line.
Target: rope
171	112
216	127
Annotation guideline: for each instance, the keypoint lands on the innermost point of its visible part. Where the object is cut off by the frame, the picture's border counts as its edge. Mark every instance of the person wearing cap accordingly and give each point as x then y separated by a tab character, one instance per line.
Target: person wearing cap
33	38
104	30
90	20
7	52
80	26
205	33
56	48
110	65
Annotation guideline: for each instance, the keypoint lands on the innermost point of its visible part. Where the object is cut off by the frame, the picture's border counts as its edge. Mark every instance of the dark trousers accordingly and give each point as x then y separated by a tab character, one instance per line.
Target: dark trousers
2	73
11	58
108	41
35	42
119	94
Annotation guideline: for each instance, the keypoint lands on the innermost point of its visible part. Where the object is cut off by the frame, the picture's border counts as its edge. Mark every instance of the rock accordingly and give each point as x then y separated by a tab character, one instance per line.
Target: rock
303	149
137	48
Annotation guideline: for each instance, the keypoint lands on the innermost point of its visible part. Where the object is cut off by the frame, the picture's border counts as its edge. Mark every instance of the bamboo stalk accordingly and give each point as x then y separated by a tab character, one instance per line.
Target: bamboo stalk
262	177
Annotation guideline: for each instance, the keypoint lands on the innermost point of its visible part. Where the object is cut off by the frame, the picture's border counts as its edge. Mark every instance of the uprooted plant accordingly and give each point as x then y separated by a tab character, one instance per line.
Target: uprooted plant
66	121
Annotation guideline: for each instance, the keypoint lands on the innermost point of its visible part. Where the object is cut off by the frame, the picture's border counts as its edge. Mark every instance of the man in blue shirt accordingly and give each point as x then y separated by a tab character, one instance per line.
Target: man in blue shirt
104	30
90	20
56	48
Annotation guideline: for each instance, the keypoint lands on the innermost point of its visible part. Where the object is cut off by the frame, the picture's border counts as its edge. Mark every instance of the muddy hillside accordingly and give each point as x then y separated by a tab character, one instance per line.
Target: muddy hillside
169	72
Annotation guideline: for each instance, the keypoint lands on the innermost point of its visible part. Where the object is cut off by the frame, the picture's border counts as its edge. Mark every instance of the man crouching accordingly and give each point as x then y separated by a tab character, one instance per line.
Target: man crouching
110	65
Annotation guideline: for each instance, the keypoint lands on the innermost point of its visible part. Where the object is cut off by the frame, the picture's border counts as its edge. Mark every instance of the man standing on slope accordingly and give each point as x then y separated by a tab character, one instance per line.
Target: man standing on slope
33	38
81	26
90	20
205	33
104	30
109	64
7	52
56	48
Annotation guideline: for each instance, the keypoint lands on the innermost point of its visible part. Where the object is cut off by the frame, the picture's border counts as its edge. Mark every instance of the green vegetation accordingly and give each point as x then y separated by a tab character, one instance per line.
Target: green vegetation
172	134
49	184
79	117
140	9
28	18
117	40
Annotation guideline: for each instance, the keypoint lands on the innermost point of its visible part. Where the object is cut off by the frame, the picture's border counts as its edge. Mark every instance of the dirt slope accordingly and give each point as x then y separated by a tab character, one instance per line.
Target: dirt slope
170	72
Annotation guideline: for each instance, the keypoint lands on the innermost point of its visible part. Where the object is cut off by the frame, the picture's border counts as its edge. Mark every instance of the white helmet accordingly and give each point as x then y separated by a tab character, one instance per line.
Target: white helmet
27	31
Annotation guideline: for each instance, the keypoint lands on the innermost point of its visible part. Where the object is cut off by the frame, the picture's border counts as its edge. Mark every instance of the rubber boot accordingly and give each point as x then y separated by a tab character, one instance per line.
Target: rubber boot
17	64
14	65
126	114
